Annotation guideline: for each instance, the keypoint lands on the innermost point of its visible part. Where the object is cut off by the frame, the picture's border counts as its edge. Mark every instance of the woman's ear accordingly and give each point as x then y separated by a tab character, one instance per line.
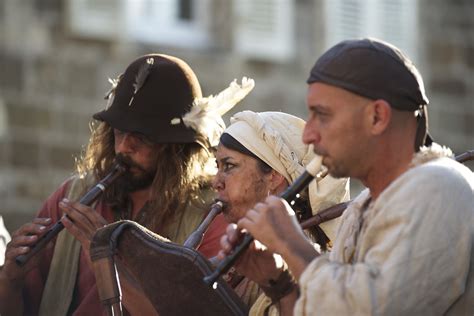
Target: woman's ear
278	182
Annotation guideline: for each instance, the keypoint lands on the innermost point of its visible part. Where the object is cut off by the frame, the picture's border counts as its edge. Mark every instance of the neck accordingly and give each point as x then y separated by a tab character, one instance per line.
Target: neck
139	198
388	163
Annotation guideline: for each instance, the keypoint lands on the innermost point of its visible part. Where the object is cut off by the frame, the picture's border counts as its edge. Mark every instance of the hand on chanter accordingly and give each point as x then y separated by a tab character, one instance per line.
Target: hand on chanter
21	243
82	222
256	263
273	223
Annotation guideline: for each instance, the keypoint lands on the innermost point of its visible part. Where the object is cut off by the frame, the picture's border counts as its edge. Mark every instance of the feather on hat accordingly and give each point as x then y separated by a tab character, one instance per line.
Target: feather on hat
205	113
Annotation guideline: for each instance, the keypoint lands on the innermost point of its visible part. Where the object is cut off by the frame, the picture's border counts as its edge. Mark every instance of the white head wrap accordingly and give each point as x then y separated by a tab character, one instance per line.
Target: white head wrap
276	138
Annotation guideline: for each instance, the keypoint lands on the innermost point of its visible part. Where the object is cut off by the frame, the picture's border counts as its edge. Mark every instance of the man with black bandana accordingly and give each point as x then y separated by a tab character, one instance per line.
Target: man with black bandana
405	244
158	123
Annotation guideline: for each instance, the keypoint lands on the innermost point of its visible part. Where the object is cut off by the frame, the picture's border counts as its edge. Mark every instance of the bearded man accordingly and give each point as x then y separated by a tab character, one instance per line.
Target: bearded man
150	126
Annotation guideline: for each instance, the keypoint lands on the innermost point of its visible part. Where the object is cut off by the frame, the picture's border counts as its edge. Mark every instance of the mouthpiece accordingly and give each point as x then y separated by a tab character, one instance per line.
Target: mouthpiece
314	166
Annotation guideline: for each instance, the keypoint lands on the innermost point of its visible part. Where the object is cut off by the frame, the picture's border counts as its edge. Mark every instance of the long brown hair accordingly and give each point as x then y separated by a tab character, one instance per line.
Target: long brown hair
181	172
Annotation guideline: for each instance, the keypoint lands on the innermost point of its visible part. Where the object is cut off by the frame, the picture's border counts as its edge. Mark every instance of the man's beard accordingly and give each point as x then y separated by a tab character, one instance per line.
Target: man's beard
130	182
337	173
335	169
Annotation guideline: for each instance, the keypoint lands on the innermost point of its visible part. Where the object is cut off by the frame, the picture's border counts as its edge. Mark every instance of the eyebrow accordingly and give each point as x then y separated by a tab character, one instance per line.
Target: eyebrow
318	106
226	159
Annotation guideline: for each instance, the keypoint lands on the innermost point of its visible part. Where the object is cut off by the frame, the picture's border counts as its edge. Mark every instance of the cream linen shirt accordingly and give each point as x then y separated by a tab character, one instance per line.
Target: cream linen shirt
409	253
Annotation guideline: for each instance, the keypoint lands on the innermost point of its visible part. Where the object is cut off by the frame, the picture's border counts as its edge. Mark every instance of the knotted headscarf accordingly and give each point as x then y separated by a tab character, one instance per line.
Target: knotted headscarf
276	138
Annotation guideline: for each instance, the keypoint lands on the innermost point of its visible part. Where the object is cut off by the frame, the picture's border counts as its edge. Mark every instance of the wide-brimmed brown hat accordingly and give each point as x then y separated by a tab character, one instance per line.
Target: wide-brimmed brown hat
160	97
153	90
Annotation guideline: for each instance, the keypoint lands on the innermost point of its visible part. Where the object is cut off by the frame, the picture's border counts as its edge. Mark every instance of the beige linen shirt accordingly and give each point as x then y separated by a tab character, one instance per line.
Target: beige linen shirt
409	253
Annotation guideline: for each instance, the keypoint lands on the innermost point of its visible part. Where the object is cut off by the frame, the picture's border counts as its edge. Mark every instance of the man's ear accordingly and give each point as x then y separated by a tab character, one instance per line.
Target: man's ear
381	115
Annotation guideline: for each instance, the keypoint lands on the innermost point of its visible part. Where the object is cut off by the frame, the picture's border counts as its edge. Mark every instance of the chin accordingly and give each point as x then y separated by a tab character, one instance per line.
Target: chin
233	215
325	162
337	173
229	218
227	212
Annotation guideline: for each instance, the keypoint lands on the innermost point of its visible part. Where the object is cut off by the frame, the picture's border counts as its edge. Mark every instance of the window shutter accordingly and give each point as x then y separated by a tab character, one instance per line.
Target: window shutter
264	29
344	20
171	22
394	21
398	24
95	18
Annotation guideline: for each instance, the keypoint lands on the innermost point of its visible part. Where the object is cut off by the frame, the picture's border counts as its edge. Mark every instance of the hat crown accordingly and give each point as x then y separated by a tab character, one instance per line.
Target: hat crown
168	81
153	90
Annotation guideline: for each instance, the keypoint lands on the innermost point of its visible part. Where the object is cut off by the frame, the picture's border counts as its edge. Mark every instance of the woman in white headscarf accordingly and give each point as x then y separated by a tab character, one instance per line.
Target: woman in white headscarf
260	154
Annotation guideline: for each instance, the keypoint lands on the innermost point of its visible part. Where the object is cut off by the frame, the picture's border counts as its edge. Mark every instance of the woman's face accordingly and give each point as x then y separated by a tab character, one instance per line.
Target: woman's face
239	182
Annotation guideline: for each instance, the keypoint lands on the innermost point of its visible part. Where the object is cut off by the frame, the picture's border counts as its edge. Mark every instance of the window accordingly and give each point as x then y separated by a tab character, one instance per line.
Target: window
95	18
394	21
264	29
181	23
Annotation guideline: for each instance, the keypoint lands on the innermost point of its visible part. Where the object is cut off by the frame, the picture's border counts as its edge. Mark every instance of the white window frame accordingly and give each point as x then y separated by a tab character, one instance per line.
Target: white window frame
159	23
372	20
273	41
86	19
145	21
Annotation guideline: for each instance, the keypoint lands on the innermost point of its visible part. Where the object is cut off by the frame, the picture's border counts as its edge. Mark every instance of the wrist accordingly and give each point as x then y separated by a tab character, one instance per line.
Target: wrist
280	286
298	255
7	281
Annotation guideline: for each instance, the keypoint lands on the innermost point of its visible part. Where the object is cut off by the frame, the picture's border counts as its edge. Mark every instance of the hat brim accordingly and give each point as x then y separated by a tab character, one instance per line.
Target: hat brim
160	134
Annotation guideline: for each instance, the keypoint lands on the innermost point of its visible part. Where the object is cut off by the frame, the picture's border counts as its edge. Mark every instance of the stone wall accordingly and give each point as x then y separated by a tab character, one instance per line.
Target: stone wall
447	44
51	82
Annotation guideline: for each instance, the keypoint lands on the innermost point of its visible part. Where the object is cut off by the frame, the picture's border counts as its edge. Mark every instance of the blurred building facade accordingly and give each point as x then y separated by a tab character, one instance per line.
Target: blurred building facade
56	56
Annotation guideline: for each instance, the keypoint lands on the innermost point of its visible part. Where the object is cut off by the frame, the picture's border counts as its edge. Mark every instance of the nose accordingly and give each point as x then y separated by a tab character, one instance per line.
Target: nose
125	143
218	182
311	134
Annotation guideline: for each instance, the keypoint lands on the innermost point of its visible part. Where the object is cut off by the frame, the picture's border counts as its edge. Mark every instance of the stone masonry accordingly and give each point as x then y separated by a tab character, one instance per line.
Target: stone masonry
52	81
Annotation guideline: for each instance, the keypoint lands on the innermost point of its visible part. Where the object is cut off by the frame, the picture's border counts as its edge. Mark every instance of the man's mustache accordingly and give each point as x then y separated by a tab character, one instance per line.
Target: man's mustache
127	161
319	152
